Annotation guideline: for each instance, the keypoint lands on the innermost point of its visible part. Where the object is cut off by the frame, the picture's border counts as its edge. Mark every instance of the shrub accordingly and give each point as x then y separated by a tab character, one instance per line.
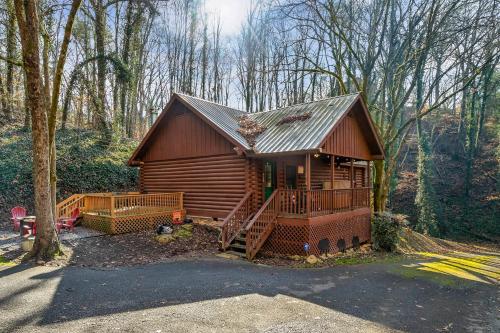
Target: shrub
386	229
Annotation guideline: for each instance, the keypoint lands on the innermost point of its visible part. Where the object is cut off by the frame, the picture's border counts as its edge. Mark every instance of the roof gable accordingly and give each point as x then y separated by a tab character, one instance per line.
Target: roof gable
220	118
307	134
300	135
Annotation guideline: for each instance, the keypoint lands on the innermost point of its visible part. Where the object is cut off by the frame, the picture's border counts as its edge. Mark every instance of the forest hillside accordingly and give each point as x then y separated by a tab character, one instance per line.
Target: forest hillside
83	166
459	216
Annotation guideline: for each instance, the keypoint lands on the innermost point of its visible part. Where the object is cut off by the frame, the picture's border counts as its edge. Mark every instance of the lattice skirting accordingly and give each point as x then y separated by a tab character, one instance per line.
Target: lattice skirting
328	233
121	225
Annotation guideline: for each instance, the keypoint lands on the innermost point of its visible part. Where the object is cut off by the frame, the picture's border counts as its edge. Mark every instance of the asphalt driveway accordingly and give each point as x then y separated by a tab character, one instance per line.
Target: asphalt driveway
218	295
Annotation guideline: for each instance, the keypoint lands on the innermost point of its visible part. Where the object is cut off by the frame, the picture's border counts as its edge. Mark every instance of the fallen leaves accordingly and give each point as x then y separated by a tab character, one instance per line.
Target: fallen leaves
250	129
141	247
294	118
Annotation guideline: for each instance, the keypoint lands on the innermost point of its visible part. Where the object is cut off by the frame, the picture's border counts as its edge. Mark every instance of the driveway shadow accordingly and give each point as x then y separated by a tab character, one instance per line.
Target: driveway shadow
408	295
371	292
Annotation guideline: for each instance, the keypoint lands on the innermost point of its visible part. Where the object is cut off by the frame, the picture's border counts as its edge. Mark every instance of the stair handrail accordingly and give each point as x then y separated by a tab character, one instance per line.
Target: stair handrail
261	225
236	220
65	207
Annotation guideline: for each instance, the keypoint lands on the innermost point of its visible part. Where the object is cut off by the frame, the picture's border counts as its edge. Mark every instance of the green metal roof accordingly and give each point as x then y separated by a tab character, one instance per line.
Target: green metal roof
299	135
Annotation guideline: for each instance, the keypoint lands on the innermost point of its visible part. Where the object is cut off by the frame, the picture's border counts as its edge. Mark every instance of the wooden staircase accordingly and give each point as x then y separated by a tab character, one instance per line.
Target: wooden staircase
66	207
238	245
245	232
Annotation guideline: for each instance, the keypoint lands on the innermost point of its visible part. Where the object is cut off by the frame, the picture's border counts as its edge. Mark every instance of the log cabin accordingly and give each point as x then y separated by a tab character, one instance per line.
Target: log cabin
294	180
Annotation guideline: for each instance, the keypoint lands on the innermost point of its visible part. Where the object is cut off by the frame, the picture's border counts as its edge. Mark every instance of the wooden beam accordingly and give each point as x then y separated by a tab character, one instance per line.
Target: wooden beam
368	170
352	173
308	184
308	171
332	170
352	183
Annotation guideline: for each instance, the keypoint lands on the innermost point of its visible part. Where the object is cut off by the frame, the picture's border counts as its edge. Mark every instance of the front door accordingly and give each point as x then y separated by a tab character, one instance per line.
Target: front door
269	178
291	177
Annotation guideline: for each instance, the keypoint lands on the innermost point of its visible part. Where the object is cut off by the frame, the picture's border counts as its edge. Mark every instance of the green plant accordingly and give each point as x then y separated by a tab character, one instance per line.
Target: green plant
386	229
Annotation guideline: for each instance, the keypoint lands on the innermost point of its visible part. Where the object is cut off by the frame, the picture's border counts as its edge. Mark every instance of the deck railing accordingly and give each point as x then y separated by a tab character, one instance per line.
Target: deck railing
131	204
322	202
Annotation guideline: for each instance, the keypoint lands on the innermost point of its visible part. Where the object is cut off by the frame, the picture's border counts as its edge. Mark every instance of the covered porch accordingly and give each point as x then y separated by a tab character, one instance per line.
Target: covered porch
321	203
311	185
299	204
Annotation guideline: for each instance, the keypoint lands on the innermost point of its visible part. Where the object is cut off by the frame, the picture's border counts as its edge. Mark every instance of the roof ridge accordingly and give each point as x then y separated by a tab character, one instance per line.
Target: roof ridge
303	103
206	100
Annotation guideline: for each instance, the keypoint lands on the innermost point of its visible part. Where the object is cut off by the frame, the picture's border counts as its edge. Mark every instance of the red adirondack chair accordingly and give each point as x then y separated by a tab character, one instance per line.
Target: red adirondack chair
68	222
18	213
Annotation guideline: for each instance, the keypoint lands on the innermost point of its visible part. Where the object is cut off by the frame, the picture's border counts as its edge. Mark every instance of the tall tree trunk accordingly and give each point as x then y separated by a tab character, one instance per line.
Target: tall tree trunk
54	100
46	241
204	61
3	103
127	33
100	32
11	54
470	144
425	199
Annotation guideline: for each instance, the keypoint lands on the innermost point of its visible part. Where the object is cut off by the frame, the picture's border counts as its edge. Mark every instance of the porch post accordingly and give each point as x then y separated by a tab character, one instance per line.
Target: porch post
352	183
368	170
332	170
308	184
332	176
352	173
368	183
308	172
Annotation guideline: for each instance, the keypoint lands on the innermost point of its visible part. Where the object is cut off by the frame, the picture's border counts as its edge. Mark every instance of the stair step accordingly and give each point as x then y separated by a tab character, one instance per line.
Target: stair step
239	254
238	246
241	240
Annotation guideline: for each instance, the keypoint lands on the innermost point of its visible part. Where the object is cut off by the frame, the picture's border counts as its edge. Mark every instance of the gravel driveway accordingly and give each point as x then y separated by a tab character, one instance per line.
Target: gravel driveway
218	295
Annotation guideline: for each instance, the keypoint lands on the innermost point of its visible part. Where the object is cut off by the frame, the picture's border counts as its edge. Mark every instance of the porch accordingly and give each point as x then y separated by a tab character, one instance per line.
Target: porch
309	203
116	213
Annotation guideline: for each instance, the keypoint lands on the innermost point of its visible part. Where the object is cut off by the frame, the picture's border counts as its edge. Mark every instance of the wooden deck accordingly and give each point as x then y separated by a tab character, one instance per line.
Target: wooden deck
116	213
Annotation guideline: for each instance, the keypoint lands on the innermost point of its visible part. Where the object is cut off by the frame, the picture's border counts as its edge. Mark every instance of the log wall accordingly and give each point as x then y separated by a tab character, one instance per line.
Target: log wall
212	185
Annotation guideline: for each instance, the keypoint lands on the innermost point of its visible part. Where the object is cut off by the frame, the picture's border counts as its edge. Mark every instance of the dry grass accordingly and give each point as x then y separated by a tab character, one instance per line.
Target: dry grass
412	242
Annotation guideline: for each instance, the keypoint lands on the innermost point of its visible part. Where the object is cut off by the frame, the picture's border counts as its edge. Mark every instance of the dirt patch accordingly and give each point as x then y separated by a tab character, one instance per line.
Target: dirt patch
138	248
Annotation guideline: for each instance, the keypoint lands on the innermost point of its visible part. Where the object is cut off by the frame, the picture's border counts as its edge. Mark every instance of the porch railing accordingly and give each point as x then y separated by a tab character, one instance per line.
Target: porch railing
135	204
67	206
322	202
